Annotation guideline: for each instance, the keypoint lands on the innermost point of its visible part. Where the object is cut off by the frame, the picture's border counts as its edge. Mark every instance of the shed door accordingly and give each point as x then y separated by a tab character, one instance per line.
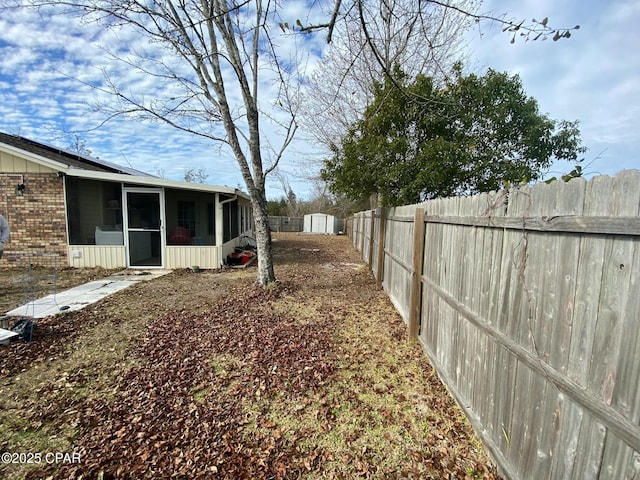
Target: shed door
144	227
319	223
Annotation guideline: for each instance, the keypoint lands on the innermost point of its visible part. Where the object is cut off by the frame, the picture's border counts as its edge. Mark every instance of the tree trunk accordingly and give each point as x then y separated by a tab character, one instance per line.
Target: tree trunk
266	274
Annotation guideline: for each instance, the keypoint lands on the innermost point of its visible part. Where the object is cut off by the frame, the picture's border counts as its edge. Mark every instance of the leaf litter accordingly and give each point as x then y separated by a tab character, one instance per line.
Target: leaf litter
206	376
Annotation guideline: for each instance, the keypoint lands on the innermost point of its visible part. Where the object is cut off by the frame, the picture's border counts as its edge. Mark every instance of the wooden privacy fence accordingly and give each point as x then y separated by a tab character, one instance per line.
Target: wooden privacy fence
527	302
286	224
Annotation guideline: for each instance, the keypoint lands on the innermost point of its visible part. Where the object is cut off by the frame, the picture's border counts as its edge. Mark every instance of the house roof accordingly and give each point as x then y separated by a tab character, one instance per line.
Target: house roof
70	159
154	182
82	166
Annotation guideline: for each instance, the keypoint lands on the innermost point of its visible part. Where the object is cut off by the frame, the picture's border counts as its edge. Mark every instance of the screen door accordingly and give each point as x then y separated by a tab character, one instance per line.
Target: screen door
144	228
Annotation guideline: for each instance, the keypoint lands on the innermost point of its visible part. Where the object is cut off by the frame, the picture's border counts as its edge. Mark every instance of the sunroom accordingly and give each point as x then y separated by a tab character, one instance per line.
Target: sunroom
116	220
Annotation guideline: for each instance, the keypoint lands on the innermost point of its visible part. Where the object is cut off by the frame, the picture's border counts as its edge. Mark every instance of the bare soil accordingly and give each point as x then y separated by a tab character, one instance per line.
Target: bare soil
204	375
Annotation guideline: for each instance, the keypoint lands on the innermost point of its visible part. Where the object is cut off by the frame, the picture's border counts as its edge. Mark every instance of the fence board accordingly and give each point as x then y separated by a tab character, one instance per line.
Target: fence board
589	285
415	299
568	419
286	224
398	262
555	305
445	314
491	284
618	460
625	225
380	247
591	444
372	238
626	395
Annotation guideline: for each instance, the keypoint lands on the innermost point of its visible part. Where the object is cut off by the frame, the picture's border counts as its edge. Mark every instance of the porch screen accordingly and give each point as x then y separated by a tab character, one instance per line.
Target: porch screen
94	212
231	219
190	218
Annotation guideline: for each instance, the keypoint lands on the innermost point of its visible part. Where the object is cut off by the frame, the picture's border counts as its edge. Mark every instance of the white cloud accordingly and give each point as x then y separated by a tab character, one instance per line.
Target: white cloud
46	68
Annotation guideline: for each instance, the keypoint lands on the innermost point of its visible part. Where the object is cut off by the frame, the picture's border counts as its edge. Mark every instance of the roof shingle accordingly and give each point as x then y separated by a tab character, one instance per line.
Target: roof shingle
71	159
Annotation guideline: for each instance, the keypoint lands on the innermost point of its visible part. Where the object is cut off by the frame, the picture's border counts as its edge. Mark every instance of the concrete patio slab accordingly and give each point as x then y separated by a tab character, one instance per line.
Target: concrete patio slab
83	295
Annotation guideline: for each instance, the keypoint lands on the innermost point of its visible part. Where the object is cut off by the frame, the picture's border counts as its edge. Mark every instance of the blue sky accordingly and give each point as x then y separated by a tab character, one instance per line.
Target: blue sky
593	77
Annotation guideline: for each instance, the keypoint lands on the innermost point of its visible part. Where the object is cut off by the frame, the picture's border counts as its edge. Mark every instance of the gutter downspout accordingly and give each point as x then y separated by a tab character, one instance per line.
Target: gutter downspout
235	197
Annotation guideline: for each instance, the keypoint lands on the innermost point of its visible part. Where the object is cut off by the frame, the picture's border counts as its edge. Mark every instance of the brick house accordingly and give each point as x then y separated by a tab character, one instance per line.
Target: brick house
85	212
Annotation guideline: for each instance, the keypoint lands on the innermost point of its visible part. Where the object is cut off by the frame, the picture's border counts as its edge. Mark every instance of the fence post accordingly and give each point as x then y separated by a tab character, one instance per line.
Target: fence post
363	219
372	229
415	305
381	235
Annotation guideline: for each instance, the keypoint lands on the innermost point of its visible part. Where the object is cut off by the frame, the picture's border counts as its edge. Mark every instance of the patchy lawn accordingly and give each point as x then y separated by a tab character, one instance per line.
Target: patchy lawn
200	375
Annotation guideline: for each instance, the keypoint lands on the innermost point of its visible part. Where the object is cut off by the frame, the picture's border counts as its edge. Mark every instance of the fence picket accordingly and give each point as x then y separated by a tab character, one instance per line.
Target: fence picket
381	238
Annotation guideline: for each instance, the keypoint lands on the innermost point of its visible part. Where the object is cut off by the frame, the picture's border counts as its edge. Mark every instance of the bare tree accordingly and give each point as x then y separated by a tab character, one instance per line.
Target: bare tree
369	39
196	176
210	57
78	145
322	200
291	198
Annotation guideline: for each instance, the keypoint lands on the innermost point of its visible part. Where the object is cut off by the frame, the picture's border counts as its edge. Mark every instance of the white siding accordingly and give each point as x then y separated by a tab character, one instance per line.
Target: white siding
106	256
13	164
188	256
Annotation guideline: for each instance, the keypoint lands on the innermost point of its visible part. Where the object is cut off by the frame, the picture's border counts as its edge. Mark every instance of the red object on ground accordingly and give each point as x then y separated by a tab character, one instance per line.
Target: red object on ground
241	257
179	236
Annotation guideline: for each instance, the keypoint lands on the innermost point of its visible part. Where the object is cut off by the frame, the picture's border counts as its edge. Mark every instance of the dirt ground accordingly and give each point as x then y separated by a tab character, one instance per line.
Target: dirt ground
203	375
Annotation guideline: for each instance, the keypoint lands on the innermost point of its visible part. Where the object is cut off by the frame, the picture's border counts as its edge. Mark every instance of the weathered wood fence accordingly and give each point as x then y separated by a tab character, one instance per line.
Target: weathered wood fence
527	302
286	224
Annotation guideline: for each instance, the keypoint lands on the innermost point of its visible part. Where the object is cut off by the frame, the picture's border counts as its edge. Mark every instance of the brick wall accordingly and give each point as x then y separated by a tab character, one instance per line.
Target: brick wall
37	219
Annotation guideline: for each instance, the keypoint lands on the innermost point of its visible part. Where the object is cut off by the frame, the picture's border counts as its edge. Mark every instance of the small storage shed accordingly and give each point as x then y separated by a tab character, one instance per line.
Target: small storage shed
320	223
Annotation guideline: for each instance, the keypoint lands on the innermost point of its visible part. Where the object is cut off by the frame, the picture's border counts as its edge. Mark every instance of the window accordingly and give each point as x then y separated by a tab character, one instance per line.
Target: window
230	220
211	219
187	216
93	204
194	214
